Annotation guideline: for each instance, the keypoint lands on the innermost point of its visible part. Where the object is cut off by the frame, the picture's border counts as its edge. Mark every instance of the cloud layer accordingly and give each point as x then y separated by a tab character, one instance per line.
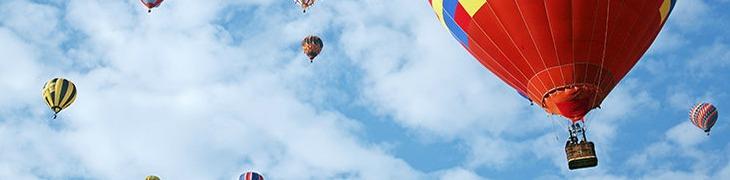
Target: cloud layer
209	89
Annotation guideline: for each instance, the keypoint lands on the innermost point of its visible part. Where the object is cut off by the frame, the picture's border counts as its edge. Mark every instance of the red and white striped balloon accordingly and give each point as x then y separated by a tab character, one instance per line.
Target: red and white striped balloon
151	4
251	176
704	116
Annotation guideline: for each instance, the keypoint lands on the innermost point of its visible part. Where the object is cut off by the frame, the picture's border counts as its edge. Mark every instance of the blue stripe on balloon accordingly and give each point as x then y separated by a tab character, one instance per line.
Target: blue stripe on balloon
450	6
449	13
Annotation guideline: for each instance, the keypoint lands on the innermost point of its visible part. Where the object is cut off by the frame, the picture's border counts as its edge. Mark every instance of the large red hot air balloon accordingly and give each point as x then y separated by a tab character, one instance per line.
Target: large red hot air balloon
565	55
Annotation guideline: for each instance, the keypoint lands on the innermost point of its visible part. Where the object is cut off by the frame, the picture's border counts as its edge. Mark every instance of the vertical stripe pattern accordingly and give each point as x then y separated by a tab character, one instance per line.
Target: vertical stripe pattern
59	94
704	116
251	176
565	55
305	4
151	3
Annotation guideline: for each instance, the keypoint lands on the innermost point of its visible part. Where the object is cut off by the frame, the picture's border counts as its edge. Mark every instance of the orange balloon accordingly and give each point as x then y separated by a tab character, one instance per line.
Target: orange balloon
312	46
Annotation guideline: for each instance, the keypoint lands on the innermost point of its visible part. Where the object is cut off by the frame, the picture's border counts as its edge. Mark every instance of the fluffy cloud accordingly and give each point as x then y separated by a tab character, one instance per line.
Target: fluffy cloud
205	90
711	59
167	94
459	173
690	15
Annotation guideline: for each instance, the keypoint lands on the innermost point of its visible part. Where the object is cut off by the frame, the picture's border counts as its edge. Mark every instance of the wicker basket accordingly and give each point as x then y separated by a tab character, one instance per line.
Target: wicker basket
581	155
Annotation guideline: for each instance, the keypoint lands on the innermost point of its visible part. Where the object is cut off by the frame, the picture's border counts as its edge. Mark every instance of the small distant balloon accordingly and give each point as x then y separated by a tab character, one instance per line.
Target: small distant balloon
151	4
59	93
305	4
251	176
152	178
312	46
704	116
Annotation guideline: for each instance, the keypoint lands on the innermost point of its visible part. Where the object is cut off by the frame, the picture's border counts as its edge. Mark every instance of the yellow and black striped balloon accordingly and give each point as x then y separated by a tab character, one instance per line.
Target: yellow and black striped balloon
59	93
152	178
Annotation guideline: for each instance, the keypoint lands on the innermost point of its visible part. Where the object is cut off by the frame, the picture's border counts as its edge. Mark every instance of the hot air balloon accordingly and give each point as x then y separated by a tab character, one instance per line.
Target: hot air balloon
251	176
704	116
151	4
565	55
152	178
312	45
59	93
305	4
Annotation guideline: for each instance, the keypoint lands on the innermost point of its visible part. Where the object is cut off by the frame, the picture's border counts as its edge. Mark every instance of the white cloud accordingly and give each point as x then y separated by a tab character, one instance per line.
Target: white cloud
494	152
19	63
628	100
192	91
645	160
668	40
710	59
459	173
33	22
674	175
686	134
601	177
681	146
690	15
724	173
166	93
681	100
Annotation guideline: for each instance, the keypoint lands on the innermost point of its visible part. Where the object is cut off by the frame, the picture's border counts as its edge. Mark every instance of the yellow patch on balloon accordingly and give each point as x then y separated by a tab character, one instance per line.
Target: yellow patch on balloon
472	6
664	9
438	8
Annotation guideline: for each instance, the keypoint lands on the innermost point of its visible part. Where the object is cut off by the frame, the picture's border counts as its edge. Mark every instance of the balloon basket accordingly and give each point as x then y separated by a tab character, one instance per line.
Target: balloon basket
581	155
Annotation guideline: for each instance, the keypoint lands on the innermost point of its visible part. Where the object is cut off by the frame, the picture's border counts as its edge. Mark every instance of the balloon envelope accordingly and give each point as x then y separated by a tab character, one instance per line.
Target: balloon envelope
305	4
566	55
251	176
704	116
151	3
312	46
59	94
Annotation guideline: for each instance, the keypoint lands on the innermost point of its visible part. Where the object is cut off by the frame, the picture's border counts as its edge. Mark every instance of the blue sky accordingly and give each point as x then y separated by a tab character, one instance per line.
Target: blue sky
209	89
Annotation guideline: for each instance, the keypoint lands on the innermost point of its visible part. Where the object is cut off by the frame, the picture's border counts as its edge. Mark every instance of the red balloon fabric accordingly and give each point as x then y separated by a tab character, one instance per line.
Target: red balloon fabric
704	116
565	55
151	3
251	176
